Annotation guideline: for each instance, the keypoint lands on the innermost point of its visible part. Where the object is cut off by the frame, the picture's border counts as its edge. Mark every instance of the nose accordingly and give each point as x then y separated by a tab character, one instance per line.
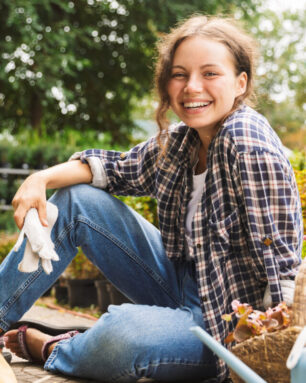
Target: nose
194	84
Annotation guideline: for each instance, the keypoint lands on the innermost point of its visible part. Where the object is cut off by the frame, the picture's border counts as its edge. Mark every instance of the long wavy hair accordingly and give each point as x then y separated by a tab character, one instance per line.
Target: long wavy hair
227	31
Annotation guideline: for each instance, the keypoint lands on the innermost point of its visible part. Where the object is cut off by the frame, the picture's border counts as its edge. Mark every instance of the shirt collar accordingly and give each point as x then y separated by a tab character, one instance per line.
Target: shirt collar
189	148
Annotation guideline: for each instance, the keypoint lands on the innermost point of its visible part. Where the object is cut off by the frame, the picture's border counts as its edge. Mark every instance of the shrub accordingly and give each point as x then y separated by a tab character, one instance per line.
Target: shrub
82	268
145	206
300	176
298	160
6	244
7	223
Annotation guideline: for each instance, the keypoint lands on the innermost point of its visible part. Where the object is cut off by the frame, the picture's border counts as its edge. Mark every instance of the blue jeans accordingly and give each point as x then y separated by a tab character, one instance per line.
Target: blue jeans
149	338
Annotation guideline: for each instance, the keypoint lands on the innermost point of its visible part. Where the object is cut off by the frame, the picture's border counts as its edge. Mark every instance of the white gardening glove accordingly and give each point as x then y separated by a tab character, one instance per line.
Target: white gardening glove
287	286
39	244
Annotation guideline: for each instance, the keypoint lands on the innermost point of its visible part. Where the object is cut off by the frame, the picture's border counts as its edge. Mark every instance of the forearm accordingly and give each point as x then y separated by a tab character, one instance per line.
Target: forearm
66	174
32	192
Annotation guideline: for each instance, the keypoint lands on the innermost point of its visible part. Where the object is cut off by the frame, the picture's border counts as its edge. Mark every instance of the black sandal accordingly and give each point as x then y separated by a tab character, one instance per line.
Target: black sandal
47	328
7	356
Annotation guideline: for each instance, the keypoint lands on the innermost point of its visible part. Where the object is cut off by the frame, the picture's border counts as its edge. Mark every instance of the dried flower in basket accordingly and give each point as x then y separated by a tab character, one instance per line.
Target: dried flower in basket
254	322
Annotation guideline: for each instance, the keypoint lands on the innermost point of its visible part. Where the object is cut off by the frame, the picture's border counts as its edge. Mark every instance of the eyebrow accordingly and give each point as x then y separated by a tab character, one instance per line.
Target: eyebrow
202	66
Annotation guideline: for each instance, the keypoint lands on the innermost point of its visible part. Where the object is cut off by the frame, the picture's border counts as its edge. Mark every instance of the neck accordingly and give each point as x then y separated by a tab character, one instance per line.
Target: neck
205	138
201	165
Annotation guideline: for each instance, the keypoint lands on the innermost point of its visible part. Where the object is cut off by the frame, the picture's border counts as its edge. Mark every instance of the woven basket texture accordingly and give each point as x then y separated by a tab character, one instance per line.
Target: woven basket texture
267	354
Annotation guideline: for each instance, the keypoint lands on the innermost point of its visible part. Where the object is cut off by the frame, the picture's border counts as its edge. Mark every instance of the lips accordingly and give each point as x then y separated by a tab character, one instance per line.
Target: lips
198	104
195	107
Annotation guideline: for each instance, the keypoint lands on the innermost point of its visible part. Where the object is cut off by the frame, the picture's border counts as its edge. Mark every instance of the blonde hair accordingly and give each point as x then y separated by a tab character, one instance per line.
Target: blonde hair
223	30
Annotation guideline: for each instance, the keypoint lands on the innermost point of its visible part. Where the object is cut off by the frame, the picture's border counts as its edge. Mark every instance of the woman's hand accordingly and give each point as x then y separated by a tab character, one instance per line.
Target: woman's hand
31	193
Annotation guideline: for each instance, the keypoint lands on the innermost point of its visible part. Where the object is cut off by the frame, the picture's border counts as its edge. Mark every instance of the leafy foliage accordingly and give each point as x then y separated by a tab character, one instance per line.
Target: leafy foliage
7	241
145	206
298	161
281	73
83	63
82	268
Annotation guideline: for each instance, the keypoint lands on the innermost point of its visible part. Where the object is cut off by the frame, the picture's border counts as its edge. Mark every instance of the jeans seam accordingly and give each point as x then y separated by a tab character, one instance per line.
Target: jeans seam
62	235
19	292
51	358
130	253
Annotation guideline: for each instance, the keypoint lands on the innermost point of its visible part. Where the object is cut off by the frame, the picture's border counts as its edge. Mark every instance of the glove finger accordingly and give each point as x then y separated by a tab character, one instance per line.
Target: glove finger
29	261
45	253
19	240
48	253
55	256
34	230
47	265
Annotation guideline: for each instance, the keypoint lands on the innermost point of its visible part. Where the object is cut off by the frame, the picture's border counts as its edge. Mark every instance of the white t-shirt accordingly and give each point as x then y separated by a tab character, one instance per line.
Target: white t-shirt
196	194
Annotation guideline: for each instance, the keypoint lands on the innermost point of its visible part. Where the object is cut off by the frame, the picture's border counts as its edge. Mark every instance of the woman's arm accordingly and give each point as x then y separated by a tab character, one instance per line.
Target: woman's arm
273	216
32	192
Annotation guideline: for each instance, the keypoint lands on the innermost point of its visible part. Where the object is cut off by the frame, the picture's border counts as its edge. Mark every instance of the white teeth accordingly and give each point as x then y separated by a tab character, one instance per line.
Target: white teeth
195	104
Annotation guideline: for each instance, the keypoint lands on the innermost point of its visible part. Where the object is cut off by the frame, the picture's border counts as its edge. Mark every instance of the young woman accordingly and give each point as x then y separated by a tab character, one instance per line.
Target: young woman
229	218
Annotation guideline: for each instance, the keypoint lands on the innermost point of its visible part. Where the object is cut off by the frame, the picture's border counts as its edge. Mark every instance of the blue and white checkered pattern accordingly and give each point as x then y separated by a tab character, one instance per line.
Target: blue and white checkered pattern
247	230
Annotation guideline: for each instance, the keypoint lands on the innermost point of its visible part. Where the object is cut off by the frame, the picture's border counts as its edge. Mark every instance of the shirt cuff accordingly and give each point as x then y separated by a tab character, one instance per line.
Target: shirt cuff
99	177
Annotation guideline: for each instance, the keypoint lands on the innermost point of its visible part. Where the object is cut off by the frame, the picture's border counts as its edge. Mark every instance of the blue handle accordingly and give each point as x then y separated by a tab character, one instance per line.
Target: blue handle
241	369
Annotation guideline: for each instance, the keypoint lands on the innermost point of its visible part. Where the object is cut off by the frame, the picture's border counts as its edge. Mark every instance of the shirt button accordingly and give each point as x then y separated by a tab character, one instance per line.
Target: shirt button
267	241
122	156
204	299
198	246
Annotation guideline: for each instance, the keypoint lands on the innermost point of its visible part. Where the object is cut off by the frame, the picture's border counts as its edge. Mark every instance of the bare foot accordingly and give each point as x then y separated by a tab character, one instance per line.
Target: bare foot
34	339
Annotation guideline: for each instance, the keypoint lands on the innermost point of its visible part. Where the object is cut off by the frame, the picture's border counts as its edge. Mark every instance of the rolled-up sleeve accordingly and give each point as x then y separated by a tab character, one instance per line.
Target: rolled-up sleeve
123	173
273	215
99	178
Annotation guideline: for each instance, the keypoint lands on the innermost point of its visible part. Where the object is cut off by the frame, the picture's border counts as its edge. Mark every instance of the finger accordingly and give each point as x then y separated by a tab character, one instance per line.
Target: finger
19	216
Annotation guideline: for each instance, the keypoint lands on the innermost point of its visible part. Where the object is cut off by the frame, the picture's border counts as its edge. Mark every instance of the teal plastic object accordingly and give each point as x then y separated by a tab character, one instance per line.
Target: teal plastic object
296	361
241	369
298	373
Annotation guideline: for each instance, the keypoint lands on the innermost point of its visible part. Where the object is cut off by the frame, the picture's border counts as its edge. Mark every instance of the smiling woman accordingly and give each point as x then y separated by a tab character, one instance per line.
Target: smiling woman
230	223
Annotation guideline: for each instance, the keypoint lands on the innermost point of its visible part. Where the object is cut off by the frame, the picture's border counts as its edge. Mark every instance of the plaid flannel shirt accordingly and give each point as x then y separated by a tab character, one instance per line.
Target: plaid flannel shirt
247	229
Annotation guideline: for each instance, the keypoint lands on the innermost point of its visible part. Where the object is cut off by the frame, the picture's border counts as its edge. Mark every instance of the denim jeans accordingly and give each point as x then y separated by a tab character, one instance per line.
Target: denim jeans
149	338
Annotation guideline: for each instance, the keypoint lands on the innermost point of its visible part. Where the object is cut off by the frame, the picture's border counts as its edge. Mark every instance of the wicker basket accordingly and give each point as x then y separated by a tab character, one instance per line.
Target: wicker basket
267	354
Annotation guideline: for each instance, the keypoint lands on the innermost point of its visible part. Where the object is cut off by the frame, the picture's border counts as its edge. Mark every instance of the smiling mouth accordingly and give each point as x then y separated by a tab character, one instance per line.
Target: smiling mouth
196	105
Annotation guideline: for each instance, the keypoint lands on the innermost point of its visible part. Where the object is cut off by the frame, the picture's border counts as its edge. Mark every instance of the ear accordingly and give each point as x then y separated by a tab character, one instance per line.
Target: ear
241	83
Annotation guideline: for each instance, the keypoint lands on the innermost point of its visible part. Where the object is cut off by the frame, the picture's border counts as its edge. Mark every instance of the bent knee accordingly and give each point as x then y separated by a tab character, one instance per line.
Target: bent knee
81	195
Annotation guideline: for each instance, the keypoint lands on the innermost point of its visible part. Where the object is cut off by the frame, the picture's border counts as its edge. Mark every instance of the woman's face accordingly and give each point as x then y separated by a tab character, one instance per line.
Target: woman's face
203	83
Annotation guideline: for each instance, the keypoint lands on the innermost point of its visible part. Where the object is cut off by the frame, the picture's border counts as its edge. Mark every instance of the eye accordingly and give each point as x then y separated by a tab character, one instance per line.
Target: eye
178	75
210	74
